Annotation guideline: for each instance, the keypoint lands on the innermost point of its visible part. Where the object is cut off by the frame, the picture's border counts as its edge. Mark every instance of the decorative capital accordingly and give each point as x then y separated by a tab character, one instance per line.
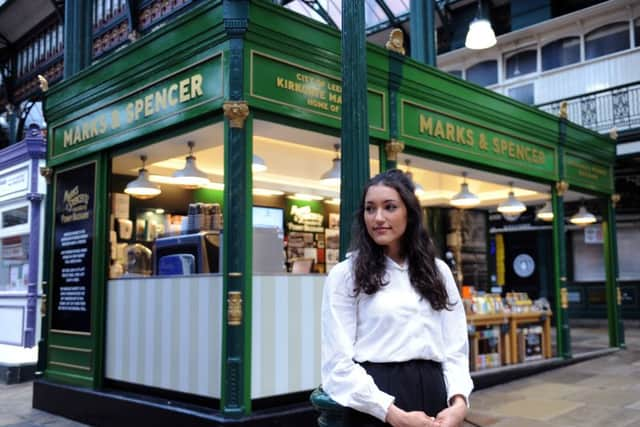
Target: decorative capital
234	308
563	110
562	187
44	84
615	199
393	148
613	134
236	112
564	298
46	173
396	41
618	296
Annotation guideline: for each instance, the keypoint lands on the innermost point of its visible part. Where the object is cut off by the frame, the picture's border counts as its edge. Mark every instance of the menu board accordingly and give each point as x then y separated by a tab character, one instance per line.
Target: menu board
73	242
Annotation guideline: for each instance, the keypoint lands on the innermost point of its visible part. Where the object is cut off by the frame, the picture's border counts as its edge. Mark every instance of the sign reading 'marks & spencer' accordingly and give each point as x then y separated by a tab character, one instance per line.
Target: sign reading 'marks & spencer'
145	107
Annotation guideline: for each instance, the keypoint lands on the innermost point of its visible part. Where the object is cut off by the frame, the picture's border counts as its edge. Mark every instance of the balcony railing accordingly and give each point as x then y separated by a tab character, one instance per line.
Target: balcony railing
601	111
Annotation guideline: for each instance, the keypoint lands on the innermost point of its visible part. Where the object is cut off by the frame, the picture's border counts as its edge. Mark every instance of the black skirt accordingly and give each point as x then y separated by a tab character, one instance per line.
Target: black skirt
418	385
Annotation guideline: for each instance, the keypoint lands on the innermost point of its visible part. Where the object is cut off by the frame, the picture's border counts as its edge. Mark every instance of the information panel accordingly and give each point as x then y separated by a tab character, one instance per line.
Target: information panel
72	253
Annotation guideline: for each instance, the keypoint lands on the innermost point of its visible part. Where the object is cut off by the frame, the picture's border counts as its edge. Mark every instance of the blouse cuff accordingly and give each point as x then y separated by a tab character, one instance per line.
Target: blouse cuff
454	393
381	404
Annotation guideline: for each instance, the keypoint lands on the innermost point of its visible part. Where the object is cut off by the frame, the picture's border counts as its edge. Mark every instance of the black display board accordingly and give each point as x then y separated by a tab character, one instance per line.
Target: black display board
72	252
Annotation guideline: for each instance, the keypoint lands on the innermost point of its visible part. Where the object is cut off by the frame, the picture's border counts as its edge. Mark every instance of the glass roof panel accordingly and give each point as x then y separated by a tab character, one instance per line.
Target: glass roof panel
304	10
373	14
398	7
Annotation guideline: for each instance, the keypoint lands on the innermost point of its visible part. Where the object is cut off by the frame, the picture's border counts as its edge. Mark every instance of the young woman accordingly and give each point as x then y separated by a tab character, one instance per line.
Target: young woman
394	332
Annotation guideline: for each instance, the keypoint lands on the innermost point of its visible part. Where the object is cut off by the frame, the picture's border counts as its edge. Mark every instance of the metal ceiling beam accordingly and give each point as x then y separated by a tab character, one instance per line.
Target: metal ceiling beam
58	6
317	7
393	21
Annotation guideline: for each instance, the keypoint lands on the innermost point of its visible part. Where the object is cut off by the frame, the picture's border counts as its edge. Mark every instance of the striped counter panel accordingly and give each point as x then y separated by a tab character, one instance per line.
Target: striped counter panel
166	333
285	354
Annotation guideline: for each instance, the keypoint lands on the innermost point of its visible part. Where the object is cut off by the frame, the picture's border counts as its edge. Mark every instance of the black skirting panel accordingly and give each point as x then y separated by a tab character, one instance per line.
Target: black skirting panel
101	408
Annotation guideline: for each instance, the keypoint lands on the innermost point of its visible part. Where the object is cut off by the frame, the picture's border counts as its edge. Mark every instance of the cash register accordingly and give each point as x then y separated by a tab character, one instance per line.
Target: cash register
193	253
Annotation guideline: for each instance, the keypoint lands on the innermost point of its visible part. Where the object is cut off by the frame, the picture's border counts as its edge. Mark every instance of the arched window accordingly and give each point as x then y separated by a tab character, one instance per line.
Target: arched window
483	73
521	63
607	39
560	53
457	73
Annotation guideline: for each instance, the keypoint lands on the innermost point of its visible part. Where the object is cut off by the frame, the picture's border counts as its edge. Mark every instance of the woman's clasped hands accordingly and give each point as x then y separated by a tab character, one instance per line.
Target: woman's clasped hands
452	416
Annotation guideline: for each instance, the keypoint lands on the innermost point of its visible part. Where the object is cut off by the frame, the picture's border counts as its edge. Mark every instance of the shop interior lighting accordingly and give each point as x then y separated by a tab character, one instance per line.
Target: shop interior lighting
190	176
465	198
583	216
142	187
333	201
258	164
302	196
267	192
419	189
545	213
511	205
332	176
480	34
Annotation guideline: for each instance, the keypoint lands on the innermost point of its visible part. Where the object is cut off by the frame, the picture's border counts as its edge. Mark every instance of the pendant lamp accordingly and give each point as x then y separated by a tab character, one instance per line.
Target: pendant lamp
583	216
419	189
258	164
545	213
511	205
190	176
480	34
332	176
465	198
141	187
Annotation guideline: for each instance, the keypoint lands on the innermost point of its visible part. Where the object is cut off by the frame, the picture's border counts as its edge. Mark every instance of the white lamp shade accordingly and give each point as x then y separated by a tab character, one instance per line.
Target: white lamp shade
258	164
332	176
190	177
512	205
480	35
141	187
465	198
545	213
582	217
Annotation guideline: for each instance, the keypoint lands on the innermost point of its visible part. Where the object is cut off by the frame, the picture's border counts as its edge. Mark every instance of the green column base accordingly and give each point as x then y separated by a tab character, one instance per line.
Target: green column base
331	413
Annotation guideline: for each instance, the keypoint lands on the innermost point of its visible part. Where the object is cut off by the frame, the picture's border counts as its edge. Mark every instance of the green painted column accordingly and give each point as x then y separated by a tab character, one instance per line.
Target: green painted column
235	398
47	299
78	34
12	121
423	39
393	147
563	336
611	274
355	126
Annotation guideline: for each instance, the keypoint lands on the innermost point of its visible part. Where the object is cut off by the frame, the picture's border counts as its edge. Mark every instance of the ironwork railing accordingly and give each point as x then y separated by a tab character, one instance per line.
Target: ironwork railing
601	111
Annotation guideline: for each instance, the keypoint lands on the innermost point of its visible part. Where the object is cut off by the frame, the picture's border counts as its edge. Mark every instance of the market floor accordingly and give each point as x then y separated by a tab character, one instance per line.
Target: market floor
604	391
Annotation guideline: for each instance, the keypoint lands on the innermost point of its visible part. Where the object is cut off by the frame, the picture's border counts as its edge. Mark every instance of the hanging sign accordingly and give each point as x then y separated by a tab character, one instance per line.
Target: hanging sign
449	135
72	251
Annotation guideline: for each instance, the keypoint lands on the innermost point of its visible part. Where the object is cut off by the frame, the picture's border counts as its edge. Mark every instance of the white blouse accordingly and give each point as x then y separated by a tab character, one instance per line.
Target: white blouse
393	325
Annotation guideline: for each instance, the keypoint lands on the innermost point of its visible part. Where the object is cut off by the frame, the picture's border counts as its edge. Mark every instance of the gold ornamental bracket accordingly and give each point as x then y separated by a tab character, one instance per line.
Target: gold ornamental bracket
396	41
234	308
393	148
562	187
563	110
564	298
615	199
619	296
44	84
46	173
237	112
613	134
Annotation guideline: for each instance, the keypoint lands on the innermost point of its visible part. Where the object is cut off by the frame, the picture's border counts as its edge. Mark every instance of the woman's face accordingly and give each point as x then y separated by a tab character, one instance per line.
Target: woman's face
385	216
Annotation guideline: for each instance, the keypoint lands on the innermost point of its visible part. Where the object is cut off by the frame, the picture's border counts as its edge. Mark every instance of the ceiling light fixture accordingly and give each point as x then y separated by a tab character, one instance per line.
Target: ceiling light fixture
258	164
583	216
511	205
332	176
480	34
465	198
545	213
141	187
190	176
419	189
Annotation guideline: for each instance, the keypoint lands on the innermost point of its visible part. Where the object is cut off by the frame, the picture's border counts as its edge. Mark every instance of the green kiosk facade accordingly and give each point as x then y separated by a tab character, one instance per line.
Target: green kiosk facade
162	307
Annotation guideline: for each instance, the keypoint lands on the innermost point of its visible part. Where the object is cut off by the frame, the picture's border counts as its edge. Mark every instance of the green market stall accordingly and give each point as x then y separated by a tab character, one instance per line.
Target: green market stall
133	324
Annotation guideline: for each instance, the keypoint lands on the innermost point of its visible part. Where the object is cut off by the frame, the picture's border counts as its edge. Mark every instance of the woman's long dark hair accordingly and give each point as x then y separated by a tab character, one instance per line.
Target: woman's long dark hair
416	246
